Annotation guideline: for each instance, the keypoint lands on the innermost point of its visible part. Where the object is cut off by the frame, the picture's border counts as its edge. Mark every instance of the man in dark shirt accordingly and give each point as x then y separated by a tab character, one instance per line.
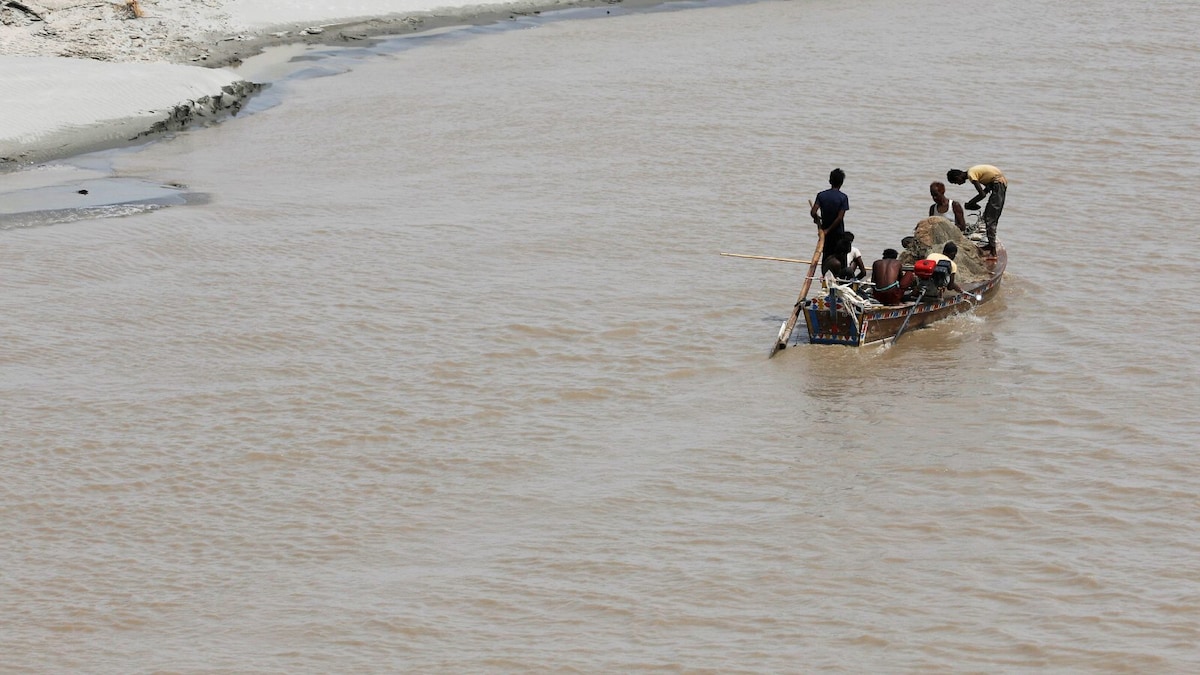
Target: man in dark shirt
832	205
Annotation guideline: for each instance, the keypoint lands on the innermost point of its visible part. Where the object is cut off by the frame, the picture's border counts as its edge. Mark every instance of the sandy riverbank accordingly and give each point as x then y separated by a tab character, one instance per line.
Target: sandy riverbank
220	32
103	76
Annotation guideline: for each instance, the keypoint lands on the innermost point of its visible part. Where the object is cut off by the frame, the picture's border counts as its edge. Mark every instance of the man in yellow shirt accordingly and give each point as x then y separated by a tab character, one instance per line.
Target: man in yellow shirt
949	252
989	182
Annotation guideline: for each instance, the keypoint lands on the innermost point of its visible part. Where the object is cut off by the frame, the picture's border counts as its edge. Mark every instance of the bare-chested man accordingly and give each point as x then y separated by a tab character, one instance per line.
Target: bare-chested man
889	279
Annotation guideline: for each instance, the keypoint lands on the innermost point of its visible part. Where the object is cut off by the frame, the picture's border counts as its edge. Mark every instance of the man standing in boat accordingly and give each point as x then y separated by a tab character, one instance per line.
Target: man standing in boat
989	182
945	207
832	205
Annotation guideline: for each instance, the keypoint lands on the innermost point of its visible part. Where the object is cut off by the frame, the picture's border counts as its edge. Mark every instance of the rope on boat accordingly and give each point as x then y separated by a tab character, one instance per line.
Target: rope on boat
846	292
853	304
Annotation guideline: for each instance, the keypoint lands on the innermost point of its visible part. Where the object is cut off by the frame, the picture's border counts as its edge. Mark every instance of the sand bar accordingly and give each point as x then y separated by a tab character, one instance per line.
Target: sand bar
77	76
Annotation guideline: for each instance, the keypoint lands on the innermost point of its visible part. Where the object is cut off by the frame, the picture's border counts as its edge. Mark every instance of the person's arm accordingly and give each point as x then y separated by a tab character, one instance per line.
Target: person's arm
813	212
841	214
953	285
862	267
960	221
982	192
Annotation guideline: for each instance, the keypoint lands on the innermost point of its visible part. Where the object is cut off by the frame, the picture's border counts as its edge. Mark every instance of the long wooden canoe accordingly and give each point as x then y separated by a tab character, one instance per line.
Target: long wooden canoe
836	320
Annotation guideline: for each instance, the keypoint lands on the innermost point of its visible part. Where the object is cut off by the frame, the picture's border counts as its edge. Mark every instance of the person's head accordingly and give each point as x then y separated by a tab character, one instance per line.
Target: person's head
836	178
848	236
950	250
956	176
937	189
890	254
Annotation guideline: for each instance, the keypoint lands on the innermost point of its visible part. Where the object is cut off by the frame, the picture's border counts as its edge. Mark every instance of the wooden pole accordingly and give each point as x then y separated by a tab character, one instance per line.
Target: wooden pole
916	303
785	333
765	257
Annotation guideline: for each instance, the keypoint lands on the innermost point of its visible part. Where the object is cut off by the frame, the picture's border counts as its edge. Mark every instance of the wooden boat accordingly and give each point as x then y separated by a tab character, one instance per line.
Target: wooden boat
839	316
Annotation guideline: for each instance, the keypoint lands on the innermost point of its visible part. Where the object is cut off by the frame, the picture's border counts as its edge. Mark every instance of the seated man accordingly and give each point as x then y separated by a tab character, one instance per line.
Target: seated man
853	258
890	280
835	260
832	264
948	252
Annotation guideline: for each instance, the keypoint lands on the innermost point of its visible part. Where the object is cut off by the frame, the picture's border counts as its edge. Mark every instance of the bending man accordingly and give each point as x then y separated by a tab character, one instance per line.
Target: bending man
989	182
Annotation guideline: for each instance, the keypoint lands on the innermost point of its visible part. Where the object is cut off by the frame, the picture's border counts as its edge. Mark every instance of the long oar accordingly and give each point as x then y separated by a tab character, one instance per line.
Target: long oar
785	332
916	303
765	257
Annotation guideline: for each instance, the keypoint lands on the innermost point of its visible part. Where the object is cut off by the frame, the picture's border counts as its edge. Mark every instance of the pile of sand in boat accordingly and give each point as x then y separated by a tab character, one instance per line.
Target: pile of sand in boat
931	234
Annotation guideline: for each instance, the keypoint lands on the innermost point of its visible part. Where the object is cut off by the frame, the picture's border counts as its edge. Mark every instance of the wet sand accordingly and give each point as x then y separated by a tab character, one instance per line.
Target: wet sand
231	52
87	59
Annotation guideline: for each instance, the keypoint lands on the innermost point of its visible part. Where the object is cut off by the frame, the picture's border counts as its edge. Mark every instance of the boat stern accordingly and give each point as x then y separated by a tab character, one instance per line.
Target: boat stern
829	324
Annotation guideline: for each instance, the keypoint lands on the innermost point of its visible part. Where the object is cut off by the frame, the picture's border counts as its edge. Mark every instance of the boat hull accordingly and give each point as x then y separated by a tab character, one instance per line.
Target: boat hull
830	324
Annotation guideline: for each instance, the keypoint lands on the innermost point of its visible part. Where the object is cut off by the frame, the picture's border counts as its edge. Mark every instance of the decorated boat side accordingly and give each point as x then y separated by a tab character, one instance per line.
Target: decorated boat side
843	312
846	312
